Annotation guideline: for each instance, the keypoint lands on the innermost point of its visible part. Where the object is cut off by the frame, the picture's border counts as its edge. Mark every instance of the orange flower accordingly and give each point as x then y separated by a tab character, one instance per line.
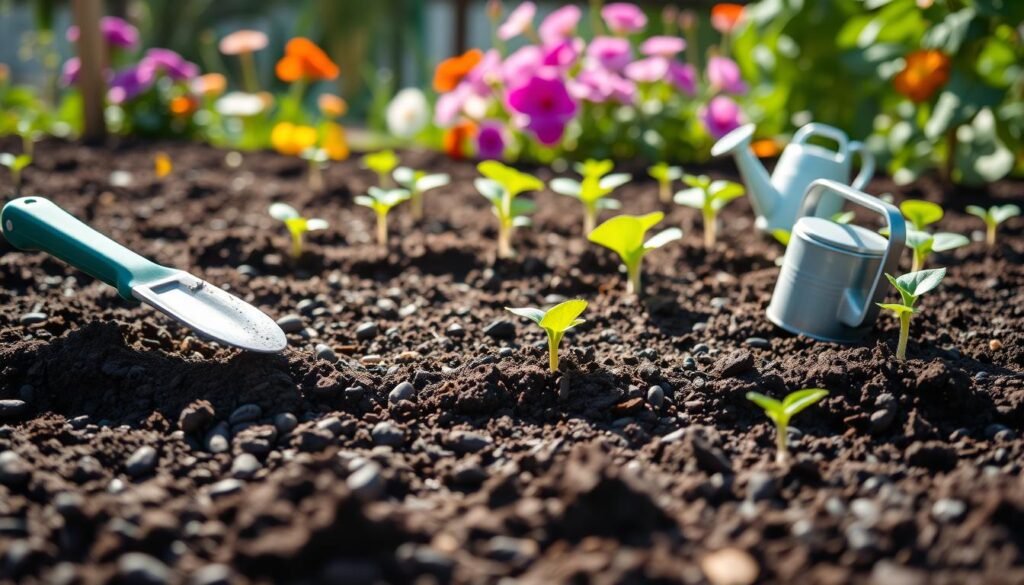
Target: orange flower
766	148
162	165
290	139
925	72
304	60
334	143
454	139
210	85
726	16
451	71
331	106
183	105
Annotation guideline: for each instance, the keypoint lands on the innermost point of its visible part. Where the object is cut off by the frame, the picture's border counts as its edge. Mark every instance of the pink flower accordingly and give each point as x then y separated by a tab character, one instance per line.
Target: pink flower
720	116
519	21
169	63
547	105
449	105
623	17
69	72
559	25
610	52
648	69
683	77
599	85
486	72
563	54
724	74
521	65
661	46
490	140
116	32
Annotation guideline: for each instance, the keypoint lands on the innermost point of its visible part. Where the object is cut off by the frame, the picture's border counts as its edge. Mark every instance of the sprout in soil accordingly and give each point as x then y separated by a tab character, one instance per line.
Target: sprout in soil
921	214
624	235
781	412
555	322
317	158
16	164
924	243
665	174
381	201
710	197
501	185
993	216
910	286
593	191
296	224
382	163
417	183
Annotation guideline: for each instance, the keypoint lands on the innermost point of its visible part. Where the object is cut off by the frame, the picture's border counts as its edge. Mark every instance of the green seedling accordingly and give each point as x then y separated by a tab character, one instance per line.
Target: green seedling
780	413
910	286
924	243
783	236
382	163
16	164
993	216
710	197
317	158
381	201
665	174
624	235
501	185
296	224
555	322
417	183
921	214
593	190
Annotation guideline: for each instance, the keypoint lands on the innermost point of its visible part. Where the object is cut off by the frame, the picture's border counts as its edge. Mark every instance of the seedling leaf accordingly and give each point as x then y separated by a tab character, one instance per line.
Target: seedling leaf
564	316
921	213
944	241
663	237
801	399
283	211
920	282
531	313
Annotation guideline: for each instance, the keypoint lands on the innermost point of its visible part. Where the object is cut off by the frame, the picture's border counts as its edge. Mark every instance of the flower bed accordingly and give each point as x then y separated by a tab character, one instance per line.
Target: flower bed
413	427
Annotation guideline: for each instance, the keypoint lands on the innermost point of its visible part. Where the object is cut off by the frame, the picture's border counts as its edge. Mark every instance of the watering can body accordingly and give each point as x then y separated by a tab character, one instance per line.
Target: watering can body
776	198
832	274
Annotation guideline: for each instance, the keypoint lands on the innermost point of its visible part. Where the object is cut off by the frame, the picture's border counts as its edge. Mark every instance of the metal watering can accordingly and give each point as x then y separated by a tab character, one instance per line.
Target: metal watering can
776	199
831	273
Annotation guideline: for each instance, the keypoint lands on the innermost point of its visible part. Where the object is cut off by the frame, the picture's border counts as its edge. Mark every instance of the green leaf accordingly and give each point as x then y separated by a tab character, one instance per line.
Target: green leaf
382	162
624	234
771	406
428	182
283	212
981	212
782	236
365	201
663	237
723	192
1001	213
405	177
797	401
896	308
949	34
490	189
522	207
944	241
563	315
693	197
531	313
608	203
922	281
843	217
662	172
388	198
316	224
566	186
921	213
515	182
594	168
20	162
981	156
698	181
614	181
919	240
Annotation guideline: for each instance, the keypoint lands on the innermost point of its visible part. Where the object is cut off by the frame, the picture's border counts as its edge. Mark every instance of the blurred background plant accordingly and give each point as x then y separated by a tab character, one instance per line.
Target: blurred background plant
933	86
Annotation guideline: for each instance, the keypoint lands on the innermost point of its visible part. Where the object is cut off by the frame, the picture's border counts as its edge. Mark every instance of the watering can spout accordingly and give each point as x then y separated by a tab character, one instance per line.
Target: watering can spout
764	197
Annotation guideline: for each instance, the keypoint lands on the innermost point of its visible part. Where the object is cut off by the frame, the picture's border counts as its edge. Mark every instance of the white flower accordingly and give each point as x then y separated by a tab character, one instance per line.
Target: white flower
241	104
408	113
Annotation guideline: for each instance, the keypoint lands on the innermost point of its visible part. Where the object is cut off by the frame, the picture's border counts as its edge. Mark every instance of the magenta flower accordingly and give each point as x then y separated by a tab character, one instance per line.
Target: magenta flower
69	71
724	74
490	140
559	25
521	65
486	72
683	77
662	46
519	21
720	116
599	85
116	32
563	54
547	105
128	83
169	63
612	53
623	17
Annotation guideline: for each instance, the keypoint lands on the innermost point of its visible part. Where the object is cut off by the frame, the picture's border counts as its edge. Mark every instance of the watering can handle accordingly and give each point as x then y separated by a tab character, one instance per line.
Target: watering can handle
850	313
867	165
818	129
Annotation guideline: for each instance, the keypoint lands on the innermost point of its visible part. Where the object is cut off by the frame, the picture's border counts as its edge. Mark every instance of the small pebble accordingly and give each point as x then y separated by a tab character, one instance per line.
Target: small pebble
326	353
758	343
455	331
948	510
995	345
367	483
245	413
213	574
312	441
285	422
32	318
730	566
196	417
501	329
245	466
655	396
14	471
403	391
141	569
881	420
355	393
468	441
225	487
141	462
366	331
386	433
291	323
12	409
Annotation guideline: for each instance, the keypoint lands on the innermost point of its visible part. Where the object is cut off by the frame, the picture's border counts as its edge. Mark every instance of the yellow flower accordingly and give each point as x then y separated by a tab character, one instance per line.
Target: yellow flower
292	139
335	144
162	165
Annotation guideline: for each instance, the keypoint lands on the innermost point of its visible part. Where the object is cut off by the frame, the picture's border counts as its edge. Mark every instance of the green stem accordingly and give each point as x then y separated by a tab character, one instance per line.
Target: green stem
633	282
782	442
901	348
710	229
589	218
990	234
296	245
505	241
382	229
417	204
554	339
316	177
249	72
665	191
918	263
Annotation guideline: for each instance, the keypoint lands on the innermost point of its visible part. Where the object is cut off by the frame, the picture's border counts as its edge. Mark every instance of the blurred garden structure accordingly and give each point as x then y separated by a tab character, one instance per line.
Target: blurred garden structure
932	86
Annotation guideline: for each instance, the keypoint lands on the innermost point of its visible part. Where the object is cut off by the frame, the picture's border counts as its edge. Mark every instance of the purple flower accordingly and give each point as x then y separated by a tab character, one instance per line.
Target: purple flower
519	21
490	140
662	46
117	32
547	105
683	77
128	83
648	69
611	53
559	25
724	74
623	17
169	63
69	72
720	116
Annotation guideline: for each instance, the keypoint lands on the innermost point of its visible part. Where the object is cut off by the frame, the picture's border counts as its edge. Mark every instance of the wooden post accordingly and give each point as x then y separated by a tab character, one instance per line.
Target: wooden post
461	26
90	77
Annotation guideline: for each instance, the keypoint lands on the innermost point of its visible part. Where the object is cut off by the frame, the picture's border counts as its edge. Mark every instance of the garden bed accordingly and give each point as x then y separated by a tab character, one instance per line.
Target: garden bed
641	462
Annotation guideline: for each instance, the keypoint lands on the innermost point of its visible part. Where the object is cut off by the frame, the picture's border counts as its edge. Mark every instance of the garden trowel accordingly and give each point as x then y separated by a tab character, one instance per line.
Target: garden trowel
35	223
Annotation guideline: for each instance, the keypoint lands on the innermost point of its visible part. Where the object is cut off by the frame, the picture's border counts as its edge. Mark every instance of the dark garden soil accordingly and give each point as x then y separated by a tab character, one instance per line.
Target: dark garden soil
433	446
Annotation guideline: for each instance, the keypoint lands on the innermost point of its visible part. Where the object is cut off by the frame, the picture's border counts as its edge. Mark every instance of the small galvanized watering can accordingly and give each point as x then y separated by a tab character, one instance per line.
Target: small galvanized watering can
776	198
833	274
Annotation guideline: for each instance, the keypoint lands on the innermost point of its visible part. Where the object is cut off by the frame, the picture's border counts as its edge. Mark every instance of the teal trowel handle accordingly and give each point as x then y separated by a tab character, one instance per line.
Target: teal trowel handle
34	223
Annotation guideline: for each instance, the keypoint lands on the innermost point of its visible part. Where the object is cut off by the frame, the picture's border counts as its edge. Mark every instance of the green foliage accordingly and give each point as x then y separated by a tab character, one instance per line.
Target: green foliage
924	243
501	185
910	286
555	322
418	183
381	162
382	201
624	235
780	412
16	163
665	174
993	216
921	214
296	224
593	190
710	197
